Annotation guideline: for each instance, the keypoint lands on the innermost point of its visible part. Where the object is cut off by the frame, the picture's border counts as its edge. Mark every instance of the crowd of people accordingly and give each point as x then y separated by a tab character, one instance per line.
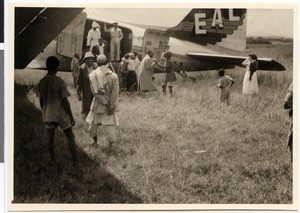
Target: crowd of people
134	73
98	88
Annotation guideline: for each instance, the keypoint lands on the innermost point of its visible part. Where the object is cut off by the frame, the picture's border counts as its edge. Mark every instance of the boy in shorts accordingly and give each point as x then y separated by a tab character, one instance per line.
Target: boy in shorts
225	82
170	77
56	108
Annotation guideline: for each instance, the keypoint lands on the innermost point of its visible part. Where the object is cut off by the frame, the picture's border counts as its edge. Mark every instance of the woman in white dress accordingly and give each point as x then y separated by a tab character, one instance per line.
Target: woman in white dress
250	85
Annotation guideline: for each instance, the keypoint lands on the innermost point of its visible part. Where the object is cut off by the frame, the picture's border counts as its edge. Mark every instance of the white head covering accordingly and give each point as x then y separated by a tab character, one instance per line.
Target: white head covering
101	58
95	25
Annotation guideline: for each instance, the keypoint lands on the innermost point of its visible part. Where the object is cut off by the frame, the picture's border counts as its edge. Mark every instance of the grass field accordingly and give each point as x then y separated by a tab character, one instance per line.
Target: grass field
184	149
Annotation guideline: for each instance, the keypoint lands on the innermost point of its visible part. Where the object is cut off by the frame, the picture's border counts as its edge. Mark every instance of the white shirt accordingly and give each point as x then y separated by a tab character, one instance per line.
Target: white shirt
115	33
130	64
93	37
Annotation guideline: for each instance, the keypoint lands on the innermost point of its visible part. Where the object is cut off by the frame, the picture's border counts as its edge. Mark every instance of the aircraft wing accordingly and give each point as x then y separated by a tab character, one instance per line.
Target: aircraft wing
208	26
36	27
227	61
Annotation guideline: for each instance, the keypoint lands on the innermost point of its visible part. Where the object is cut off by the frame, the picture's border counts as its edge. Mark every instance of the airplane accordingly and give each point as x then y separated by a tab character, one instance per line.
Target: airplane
200	42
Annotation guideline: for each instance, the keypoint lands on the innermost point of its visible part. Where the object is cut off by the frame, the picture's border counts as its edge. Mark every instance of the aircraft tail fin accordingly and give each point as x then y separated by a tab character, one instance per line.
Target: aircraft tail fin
221	28
234	43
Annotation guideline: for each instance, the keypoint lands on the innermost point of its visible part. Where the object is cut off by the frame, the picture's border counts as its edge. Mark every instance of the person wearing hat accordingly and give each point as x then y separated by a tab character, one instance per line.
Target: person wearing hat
170	76
93	36
250	85
116	35
83	83
105	87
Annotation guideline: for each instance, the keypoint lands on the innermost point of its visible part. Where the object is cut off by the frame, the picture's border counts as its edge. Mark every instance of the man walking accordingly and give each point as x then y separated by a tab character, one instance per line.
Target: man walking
105	87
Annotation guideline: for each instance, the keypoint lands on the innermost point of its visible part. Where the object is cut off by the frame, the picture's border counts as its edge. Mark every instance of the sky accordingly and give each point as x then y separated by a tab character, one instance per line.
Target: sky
260	22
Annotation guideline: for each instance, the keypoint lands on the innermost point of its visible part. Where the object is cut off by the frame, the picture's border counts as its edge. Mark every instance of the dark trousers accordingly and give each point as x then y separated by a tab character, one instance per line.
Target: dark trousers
123	81
132	81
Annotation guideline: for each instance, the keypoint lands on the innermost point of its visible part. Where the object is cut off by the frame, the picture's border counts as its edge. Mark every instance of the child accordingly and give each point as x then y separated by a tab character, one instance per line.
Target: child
170	77
225	82
75	63
56	110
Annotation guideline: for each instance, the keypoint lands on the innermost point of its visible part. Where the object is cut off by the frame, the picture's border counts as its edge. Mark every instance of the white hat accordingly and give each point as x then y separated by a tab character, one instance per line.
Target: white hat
95	25
88	55
101	58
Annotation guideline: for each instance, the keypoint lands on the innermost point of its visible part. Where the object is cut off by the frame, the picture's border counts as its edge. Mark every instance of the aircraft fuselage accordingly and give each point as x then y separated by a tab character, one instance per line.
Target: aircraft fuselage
138	39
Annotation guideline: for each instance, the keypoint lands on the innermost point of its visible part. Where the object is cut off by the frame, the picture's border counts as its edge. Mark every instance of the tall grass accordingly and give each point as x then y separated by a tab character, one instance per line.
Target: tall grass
184	149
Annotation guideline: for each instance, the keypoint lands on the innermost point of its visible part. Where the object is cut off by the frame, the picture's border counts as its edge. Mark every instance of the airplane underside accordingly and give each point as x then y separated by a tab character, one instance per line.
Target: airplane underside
188	54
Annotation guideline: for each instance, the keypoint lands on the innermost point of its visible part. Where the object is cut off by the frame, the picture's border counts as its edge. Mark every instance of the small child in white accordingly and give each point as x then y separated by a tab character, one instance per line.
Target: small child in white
225	82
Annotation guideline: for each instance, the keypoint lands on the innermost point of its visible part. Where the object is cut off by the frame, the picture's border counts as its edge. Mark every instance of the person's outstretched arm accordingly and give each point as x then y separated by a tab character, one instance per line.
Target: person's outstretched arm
231	83
246	62
105	29
121	35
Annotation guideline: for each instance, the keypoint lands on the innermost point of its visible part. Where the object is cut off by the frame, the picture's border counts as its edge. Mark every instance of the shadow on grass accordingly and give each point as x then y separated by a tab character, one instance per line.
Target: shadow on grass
36	181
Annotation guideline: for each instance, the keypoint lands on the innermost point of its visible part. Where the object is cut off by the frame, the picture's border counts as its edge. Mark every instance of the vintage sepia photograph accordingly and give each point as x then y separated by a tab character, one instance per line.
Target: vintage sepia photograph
188	104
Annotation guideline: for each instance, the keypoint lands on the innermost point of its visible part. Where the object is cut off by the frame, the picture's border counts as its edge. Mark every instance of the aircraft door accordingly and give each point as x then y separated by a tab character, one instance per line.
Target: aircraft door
156	41
69	41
